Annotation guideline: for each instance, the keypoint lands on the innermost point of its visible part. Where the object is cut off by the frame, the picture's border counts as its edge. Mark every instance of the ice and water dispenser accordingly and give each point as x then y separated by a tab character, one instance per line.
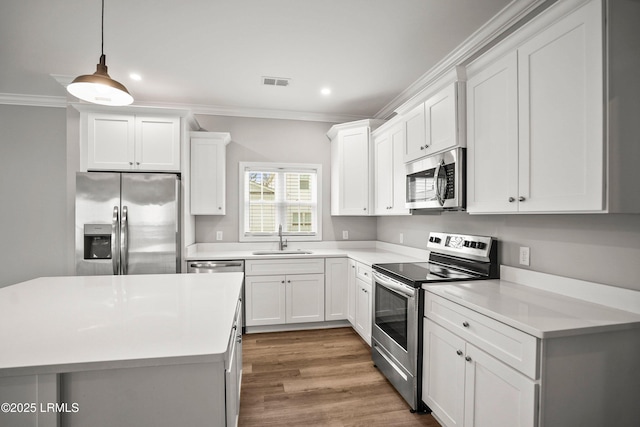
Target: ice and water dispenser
97	241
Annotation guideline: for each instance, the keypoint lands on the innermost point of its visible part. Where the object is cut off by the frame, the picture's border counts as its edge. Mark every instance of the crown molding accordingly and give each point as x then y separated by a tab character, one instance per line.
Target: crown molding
33	100
504	22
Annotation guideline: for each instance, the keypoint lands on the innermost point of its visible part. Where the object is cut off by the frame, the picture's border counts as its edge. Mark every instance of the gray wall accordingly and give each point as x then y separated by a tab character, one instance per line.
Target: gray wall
33	216
599	248
269	140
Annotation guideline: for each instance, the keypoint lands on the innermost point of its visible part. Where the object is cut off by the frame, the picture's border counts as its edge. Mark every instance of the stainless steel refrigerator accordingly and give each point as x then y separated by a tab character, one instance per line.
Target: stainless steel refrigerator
127	223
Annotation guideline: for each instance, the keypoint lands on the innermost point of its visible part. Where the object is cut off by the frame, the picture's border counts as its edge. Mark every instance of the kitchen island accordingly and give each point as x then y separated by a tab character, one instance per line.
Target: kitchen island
148	350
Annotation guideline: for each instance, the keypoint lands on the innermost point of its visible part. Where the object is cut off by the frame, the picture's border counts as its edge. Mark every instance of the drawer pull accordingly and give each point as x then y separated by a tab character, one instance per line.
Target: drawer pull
468	359
465	324
459	352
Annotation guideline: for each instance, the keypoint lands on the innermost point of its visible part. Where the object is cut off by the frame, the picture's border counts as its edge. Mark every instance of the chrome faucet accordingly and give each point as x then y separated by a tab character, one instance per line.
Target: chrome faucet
282	244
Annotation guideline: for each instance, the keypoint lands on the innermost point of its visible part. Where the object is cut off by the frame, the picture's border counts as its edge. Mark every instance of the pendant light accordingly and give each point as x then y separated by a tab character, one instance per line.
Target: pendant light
99	88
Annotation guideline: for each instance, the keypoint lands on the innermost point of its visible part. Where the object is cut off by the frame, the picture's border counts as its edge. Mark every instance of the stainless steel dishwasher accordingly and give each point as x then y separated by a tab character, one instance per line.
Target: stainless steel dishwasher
215	266
227	266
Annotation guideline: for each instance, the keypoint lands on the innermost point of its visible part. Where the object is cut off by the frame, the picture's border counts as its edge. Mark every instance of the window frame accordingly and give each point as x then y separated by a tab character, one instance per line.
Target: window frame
243	236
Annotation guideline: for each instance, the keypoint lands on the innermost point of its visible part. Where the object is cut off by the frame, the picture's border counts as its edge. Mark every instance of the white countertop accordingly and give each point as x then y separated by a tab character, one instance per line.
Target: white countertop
65	324
365	252
540	313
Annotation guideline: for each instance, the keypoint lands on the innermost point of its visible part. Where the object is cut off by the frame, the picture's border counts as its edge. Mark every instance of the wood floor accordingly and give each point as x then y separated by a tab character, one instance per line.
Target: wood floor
318	378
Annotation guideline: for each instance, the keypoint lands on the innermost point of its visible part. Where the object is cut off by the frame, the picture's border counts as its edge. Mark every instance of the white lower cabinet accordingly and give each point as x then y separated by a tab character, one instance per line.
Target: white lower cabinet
464	386
363	300
274	300
351	292
284	291
335	289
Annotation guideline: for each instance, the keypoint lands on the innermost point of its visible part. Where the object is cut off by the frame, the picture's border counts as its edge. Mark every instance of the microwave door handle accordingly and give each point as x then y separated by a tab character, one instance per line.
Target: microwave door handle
436	180
115	259
124	239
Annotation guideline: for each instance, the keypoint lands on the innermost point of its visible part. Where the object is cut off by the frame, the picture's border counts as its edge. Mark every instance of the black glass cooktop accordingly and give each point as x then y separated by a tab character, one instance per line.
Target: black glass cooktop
418	273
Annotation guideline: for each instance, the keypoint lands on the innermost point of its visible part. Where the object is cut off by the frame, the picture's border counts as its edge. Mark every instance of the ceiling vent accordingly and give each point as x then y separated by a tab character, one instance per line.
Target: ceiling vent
276	81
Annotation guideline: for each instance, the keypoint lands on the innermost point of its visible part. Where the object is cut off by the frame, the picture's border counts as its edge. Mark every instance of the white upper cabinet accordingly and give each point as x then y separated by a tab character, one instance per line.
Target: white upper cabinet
351	168
535	117
130	142
436	124
208	172
389	171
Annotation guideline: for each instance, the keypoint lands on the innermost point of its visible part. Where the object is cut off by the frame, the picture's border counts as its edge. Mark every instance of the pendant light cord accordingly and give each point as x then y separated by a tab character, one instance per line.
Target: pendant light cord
102	31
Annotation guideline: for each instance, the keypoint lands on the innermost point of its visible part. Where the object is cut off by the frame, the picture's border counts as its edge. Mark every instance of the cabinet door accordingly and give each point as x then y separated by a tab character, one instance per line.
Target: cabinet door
335	277
110	142
492	135
415	134
157	143
495	394
351	292
265	300
384	174
441	121
396	134
443	373
231	382
353	190
561	115
208	177
305	298
363	310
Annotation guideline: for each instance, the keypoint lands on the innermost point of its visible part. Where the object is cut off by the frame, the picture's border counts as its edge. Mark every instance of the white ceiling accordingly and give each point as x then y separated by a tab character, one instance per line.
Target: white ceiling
212	53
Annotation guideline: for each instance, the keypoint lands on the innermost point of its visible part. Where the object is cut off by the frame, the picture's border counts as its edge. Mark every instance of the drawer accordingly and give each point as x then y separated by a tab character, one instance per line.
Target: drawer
262	267
510	345
363	272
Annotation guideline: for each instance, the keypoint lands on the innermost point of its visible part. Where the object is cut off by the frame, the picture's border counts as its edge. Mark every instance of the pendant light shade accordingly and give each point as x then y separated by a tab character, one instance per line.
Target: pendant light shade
99	88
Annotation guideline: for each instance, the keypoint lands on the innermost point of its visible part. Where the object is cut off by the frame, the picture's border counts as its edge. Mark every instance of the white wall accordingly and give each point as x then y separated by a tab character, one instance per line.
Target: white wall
270	140
599	248
33	212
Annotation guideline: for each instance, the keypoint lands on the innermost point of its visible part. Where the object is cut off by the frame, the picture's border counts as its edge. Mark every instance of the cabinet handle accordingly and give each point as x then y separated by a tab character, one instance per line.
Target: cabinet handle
467	358
364	209
138	163
130	163
521	199
465	324
282	281
239	339
422	147
219	208
511	200
288	281
459	352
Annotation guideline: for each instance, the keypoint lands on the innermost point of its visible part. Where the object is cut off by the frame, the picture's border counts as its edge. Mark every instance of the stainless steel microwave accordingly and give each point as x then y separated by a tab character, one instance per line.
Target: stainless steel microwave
437	182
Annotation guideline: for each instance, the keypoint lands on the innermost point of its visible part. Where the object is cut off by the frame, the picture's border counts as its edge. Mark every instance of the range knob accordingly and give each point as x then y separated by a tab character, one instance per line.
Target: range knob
481	245
434	239
467	243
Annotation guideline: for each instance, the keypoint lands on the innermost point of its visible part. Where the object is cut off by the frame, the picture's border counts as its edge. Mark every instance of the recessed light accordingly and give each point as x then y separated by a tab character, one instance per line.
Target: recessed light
135	76
325	91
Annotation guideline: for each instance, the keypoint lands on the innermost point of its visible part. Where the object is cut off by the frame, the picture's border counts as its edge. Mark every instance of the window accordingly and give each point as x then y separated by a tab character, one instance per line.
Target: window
280	194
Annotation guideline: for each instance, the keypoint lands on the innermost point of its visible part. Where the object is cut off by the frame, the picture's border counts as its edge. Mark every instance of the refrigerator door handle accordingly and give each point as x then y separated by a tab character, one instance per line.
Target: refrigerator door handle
115	259
124	239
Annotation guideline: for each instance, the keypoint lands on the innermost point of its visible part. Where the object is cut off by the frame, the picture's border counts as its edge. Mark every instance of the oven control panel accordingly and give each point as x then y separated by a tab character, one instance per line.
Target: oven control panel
460	244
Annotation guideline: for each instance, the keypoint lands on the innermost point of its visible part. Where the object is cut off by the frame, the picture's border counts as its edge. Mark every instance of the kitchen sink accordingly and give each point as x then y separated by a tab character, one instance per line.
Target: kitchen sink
290	252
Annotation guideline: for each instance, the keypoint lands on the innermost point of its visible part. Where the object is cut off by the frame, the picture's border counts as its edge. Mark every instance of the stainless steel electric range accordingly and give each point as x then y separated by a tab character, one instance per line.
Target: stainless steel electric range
396	337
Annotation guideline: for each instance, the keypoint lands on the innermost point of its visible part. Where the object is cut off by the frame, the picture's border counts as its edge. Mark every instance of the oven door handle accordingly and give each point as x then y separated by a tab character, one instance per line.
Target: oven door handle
393	286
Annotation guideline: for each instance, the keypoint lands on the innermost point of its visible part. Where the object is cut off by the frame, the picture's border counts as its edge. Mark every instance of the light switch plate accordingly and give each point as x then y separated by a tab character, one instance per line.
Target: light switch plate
218	235
345	235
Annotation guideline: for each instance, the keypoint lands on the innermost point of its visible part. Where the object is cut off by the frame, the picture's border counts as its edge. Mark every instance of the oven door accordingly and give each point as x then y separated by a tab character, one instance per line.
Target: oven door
395	320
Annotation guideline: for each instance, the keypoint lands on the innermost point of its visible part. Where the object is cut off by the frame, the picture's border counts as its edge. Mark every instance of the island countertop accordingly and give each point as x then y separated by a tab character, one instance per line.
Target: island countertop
67	324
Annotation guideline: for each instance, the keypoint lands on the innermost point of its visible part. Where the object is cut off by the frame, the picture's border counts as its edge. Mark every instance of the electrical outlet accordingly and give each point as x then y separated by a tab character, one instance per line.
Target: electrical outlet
345	235
401	238
218	235
524	255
